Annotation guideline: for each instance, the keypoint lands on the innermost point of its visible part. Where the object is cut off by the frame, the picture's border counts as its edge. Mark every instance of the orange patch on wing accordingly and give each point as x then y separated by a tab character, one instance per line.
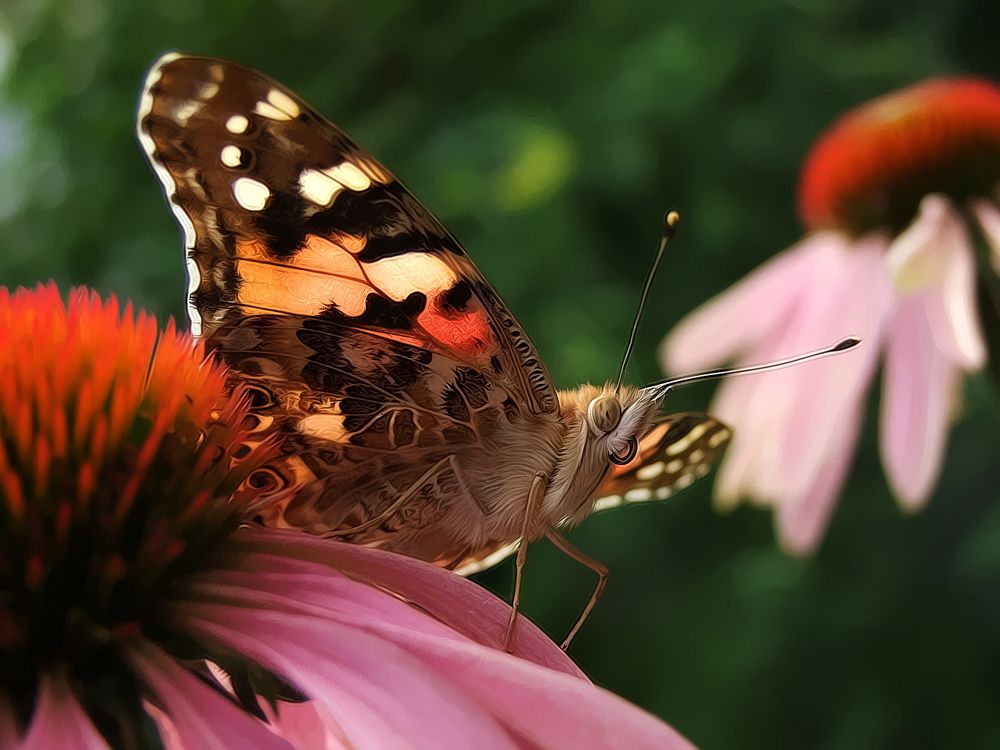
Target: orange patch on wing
349	242
466	334
321	272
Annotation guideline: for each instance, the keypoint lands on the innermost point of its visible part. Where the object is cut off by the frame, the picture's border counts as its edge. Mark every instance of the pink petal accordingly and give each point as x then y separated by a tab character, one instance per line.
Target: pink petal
989	219
744	315
551	709
854	299
788	424
918	391
915	256
801	521
459	688
303	725
380	695
268	581
198	716
459	603
59	721
934	257
307	726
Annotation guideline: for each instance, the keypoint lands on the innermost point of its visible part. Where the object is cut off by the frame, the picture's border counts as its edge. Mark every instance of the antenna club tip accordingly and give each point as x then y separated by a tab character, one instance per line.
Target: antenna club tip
846	343
670	221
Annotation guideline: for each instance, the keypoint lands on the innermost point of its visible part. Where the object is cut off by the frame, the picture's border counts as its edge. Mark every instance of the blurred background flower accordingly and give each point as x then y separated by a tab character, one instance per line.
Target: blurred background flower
551	140
137	609
890	258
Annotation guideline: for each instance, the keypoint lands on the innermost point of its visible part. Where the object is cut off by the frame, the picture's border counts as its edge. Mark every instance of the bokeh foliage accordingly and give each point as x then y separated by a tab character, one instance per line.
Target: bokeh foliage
550	137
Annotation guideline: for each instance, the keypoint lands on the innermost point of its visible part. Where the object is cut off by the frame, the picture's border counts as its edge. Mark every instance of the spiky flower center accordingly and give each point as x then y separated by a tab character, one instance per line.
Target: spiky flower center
872	168
116	476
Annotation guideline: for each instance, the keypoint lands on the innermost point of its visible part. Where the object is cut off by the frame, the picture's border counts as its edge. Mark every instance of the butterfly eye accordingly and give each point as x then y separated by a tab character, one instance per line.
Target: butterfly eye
604	413
625	456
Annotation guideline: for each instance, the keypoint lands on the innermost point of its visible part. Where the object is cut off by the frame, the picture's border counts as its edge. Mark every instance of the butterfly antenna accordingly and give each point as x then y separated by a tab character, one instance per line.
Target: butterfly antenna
670	221
661	388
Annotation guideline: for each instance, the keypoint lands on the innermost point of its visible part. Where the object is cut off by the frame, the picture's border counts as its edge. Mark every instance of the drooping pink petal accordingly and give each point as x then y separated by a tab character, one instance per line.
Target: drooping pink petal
59	721
502	700
198	716
855	300
459	603
745	314
801	521
917	396
788	424
988	216
934	257
755	405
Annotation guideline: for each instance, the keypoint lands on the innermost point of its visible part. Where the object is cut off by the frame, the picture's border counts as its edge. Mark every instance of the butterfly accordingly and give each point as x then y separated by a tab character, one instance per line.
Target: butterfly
414	413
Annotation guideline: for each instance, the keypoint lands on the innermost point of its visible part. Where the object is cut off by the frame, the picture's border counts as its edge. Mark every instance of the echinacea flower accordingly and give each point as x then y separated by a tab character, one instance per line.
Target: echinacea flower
892	196
138	608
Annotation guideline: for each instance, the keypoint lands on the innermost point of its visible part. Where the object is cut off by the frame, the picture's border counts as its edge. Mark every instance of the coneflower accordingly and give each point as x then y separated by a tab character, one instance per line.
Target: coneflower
889	195
139	606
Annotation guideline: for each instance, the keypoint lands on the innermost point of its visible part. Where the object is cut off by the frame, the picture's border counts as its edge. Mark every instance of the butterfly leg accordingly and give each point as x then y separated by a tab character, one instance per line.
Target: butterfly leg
396	504
602	579
534	498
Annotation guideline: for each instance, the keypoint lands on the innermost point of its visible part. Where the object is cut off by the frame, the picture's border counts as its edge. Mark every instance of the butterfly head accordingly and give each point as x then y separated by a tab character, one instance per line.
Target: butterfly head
604	427
616	424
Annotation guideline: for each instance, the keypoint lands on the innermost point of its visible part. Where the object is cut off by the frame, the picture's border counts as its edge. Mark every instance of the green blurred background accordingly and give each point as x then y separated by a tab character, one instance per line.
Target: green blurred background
550	137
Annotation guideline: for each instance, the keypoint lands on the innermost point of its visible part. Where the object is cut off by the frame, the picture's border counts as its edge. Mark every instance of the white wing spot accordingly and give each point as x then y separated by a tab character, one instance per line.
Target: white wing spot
348	175
718	438
279	106
284	102
187	110
208	90
318	187
638	495
322	186
237	124
662	493
270	111
652	471
674	466
250	193
684	480
696	455
231	155
701	469
680	446
697	431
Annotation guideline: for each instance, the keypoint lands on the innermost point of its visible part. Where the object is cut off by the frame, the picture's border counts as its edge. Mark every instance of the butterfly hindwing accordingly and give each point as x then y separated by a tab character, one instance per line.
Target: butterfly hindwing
676	451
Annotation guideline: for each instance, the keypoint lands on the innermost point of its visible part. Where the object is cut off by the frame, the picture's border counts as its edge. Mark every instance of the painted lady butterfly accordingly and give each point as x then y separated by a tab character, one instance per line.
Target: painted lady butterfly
415	414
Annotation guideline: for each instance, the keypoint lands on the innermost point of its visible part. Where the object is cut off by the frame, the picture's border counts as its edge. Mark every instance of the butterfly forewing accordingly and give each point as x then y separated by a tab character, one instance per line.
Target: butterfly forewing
284	214
676	451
